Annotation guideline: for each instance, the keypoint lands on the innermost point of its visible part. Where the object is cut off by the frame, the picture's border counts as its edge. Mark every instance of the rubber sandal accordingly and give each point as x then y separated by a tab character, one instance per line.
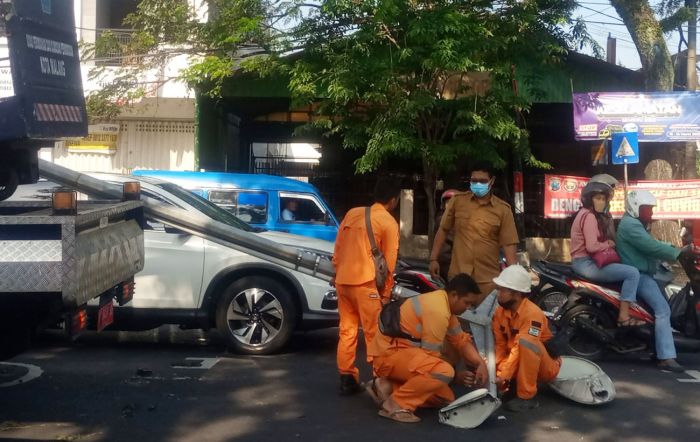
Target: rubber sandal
630	323
401	415
371	389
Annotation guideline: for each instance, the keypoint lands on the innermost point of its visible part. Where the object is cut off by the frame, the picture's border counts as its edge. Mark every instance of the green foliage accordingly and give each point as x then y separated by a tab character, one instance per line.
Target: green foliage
164	29
397	75
394	77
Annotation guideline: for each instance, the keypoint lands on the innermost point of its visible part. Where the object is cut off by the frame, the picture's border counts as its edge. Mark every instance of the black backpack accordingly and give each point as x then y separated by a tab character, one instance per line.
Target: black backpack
390	320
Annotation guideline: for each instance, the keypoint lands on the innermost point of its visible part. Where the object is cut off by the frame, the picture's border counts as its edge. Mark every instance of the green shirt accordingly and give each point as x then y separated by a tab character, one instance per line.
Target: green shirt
637	248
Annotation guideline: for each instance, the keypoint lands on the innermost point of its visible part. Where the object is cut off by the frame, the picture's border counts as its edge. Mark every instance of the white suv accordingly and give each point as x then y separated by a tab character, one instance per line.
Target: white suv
196	283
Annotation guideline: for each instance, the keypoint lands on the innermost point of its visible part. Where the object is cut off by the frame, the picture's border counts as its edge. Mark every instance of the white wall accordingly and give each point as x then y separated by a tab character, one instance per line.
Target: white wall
85	21
142	144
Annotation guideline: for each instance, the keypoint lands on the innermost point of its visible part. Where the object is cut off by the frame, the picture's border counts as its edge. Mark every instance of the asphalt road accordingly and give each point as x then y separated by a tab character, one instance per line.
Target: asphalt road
141	387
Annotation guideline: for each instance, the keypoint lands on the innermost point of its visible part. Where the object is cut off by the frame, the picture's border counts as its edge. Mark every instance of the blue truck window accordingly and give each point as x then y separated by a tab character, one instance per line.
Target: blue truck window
250	207
300	209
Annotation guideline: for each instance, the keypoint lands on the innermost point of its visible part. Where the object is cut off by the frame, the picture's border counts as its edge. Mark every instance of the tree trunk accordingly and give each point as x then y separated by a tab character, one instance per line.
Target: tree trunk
429	181
649	39
658	76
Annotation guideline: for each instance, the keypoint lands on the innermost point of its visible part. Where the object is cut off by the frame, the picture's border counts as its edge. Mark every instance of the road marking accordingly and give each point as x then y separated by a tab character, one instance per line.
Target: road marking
204	363
32	373
693	374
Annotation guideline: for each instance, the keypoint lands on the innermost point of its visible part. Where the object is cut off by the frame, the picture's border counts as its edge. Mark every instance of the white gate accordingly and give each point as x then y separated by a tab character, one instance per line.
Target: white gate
142	144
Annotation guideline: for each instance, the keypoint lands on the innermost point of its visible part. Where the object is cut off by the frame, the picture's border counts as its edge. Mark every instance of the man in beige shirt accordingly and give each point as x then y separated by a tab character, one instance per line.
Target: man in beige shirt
482	224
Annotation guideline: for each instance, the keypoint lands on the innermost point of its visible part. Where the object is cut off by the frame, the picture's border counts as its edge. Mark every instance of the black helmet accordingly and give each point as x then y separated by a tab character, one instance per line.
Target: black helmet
605	179
594	188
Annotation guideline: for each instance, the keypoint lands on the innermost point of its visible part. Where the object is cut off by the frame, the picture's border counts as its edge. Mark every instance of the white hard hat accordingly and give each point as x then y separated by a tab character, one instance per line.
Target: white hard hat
514	277
637	198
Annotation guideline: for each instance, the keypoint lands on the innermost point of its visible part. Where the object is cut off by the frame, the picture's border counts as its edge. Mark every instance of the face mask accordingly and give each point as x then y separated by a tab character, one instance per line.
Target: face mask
506	304
599	206
480	189
646	213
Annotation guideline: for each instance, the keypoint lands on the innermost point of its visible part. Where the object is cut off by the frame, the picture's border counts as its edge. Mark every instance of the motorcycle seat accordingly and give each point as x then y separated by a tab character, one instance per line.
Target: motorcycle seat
566	270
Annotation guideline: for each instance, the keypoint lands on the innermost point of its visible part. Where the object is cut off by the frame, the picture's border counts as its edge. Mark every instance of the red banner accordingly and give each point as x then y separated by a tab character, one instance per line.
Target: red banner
676	199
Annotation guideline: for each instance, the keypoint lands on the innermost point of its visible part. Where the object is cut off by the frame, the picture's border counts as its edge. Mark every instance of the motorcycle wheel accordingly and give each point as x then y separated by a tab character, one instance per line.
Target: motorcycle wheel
551	300
580	343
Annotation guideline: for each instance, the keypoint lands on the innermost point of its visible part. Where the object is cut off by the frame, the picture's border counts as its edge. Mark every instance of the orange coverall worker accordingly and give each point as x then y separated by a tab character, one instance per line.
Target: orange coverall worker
358	297
420	376
520	352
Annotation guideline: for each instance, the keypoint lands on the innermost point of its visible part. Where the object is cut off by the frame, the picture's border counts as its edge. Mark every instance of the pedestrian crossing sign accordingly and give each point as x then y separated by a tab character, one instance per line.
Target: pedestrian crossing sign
625	148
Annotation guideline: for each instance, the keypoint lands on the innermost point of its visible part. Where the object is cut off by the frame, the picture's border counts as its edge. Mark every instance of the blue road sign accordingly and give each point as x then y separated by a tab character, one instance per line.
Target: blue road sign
625	148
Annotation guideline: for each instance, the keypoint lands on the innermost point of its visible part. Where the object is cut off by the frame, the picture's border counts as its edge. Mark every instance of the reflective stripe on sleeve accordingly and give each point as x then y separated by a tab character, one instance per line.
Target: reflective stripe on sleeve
529	345
441	377
431	346
454	330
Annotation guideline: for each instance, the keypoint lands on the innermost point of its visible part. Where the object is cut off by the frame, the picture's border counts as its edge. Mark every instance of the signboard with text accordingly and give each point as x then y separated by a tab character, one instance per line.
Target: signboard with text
101	139
656	116
676	199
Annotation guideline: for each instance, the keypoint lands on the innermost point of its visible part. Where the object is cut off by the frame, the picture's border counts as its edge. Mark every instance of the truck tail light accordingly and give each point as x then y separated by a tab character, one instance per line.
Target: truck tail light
64	202
125	292
79	322
132	191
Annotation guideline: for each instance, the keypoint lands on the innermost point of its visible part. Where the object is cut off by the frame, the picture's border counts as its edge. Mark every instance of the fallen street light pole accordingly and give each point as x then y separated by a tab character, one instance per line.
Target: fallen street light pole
196	224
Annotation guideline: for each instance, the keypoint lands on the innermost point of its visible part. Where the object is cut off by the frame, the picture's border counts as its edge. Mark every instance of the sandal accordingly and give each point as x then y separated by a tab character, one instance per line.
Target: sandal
630	323
373	392
400	415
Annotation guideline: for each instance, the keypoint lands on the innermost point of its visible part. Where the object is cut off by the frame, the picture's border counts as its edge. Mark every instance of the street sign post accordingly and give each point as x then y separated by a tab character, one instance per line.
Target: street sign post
625	150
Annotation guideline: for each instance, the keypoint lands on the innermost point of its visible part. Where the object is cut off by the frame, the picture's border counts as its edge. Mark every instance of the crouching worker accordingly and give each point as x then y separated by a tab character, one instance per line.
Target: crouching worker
520	329
409	370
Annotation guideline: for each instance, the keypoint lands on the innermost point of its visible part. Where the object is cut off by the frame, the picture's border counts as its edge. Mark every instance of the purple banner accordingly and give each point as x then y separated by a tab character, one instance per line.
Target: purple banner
656	116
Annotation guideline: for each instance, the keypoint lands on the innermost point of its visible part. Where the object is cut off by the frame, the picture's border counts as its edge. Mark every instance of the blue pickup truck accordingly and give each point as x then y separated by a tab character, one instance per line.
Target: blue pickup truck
265	201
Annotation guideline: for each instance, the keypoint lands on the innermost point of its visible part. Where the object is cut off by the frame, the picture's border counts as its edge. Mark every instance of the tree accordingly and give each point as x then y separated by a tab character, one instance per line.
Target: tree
429	80
213	36
647	31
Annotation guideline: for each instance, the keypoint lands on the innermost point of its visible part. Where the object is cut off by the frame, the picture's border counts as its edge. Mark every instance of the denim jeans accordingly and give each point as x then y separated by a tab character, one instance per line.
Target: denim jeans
629	275
650	293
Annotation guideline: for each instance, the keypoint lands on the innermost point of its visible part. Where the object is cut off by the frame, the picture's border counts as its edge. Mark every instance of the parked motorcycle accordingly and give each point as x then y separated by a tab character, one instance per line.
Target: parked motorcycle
415	278
557	281
590	310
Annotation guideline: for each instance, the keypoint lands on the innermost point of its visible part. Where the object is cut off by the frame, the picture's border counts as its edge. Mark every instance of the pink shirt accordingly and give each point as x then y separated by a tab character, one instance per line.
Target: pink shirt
585	235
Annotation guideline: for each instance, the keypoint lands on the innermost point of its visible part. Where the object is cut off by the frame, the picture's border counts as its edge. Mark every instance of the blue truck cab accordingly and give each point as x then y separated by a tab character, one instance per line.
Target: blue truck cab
266	201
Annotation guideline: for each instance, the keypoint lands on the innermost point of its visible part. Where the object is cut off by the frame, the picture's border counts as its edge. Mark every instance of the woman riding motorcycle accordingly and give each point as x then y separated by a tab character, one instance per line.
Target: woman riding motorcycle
593	233
637	248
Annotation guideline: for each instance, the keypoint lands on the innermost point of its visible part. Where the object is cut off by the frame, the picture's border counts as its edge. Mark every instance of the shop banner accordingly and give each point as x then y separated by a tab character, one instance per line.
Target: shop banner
656	117
101	139
676	199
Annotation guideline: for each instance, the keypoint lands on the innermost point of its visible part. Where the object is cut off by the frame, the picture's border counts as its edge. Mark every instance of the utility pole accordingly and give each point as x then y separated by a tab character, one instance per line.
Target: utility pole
689	171
692	74
611	52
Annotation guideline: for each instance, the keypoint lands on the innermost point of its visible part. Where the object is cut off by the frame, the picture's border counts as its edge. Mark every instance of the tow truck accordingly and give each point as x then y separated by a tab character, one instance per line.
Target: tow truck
58	253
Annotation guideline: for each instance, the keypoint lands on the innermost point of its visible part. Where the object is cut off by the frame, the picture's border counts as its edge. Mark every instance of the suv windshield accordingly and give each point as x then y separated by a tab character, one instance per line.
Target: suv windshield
208	208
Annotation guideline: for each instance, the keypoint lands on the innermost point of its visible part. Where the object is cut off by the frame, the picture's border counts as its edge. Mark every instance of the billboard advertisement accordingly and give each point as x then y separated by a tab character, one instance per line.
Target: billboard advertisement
676	199
656	117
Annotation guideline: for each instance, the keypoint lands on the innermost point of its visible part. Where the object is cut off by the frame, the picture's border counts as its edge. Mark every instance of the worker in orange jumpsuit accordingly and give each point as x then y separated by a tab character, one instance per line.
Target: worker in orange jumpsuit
520	329
410	371
359	298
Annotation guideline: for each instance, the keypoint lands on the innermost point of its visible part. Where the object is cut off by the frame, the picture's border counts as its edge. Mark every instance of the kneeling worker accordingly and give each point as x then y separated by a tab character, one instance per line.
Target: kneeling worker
410	372
520	329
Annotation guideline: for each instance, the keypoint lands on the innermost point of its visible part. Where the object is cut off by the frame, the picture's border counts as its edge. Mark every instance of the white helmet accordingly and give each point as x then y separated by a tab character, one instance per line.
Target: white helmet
605	179
637	198
516	278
